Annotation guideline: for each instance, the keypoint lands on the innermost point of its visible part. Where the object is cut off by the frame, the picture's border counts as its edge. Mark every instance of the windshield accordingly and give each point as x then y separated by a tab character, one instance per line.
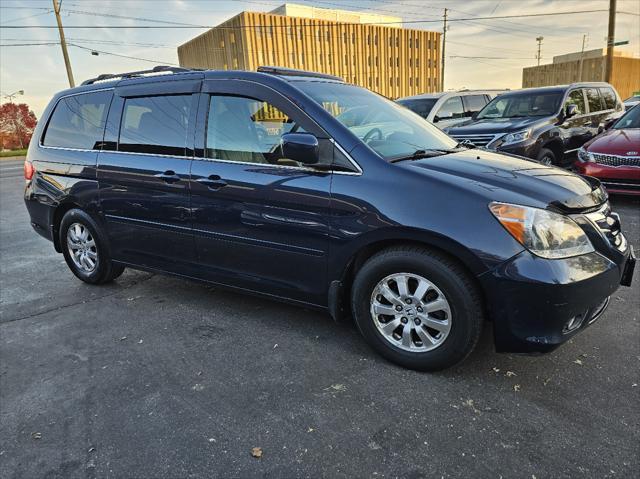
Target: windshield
630	119
421	106
522	105
389	129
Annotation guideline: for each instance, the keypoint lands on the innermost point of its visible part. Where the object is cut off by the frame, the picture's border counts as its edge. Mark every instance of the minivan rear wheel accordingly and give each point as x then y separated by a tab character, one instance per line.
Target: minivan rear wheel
417	308
85	248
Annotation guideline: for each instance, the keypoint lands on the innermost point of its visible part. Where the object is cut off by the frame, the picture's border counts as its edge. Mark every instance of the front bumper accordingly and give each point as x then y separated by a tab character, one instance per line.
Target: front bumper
537	304
528	149
616	179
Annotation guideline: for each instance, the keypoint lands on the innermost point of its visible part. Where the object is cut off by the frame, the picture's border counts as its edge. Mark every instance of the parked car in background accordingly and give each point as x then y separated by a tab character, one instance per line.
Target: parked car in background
449	108
632	101
546	124
254	181
614	156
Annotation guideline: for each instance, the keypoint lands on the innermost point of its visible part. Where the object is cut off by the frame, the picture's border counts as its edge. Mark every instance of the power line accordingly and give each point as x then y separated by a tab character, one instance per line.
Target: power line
314	25
157	62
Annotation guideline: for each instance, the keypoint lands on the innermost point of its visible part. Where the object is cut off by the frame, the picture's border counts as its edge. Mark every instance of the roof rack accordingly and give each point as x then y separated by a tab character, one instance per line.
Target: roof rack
156	69
295	72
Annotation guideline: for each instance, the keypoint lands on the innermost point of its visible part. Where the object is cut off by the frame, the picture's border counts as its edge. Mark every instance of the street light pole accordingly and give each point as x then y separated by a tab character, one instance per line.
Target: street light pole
610	41
11	96
444	43
584	41
539	56
63	44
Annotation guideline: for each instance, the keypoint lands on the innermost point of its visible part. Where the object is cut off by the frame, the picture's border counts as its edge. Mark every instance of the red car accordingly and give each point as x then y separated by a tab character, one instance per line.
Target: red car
614	156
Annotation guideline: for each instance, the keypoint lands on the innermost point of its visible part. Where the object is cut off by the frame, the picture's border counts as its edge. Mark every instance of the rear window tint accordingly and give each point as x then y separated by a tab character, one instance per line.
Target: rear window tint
156	125
78	121
609	98
475	103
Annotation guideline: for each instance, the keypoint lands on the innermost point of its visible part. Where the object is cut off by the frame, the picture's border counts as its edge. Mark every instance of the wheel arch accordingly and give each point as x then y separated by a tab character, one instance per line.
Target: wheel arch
556	146
56	219
341	280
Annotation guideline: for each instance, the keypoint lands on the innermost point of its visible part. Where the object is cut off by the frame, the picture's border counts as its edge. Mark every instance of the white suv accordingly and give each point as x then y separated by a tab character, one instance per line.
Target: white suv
451	108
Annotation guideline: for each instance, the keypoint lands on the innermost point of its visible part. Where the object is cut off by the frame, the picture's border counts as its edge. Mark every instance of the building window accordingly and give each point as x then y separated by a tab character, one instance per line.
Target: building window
377	64
346	59
397	81
390	41
429	44
375	39
410	62
429	82
417	82
344	37
222	43
353	38
370	84
417	43
397	61
300	34
328	35
417	63
368	61
368	39
410	81
232	37
377	82
429	64
410	42
390	62
390	81
397	41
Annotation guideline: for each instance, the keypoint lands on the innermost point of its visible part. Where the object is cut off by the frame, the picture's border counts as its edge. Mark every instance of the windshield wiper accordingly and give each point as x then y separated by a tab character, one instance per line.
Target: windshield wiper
466	144
418	154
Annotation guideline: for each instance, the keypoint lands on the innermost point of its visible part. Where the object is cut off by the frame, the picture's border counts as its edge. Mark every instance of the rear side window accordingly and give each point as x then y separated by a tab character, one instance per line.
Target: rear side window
475	103
156	125
593	97
78	121
609	98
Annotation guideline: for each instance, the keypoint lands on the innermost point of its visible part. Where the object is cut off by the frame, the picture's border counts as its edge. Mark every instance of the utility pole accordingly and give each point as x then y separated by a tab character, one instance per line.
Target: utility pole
444	43
610	41
584	41
539	55
63	44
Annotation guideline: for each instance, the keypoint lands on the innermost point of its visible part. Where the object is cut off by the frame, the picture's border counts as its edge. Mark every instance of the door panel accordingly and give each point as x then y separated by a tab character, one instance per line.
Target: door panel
258	224
576	130
144	177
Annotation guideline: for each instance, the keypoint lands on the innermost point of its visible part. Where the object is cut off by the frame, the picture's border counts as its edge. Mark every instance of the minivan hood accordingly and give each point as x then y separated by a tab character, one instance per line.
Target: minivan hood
514	179
496	125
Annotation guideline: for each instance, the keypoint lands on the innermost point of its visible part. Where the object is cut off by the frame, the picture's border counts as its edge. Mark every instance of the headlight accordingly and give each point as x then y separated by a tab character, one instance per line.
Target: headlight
584	155
544	233
515	137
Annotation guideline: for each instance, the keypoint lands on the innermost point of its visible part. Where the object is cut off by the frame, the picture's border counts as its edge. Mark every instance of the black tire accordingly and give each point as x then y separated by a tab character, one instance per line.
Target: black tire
449	277
547	157
105	270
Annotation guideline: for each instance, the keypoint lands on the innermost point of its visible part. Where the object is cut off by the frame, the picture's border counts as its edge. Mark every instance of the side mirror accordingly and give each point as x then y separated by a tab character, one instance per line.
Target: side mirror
300	147
570	110
610	123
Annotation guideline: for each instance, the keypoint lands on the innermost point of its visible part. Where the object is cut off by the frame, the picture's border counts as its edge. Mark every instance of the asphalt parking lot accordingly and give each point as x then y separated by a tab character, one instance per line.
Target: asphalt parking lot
154	376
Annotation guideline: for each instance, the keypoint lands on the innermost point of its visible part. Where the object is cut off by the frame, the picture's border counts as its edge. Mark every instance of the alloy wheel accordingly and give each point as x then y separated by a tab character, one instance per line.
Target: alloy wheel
82	248
410	312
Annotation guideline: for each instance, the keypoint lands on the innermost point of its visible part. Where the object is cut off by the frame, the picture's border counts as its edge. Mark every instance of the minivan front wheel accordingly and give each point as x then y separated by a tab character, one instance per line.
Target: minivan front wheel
417	307
85	250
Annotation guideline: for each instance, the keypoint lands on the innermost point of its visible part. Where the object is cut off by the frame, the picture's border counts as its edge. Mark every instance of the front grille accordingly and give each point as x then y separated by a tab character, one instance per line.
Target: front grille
615	160
608	224
477	140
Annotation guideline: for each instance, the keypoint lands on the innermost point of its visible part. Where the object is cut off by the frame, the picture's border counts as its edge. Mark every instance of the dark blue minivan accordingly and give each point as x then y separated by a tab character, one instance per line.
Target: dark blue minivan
254	181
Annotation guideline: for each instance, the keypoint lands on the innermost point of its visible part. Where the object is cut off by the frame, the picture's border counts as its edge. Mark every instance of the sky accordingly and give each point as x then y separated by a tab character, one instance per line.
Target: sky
499	48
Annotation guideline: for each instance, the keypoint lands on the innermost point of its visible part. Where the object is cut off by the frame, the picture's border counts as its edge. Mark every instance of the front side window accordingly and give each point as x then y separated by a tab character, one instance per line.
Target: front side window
156	125
576	98
389	129
247	130
519	105
78	121
451	108
593	97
